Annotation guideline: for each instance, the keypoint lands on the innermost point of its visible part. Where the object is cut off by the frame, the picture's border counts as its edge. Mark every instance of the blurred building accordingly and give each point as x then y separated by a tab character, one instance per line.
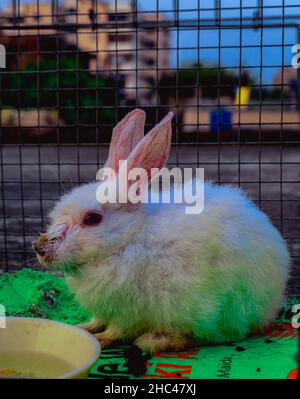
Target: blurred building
25	15
137	57
284	77
86	13
154	55
288	81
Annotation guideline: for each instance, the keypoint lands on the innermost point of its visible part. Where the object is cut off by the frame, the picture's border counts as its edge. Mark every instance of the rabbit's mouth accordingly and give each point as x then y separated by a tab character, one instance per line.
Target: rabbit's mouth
47	244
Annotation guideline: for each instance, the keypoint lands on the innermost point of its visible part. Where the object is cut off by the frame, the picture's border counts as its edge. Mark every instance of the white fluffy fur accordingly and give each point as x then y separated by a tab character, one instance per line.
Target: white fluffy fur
215	276
153	272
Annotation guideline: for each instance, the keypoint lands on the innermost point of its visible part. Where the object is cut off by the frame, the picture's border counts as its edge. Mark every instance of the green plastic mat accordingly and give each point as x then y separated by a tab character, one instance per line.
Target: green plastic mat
268	354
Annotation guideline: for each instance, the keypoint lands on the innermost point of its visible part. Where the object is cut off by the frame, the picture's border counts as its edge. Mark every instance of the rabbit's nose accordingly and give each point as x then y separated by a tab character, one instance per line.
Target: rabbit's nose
41	252
39	247
47	243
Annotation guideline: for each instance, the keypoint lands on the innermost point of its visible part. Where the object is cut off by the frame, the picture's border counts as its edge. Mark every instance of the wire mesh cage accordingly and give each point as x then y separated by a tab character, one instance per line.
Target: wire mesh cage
71	69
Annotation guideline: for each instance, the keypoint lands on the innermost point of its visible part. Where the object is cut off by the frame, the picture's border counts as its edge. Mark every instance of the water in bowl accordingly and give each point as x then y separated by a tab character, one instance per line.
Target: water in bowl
29	364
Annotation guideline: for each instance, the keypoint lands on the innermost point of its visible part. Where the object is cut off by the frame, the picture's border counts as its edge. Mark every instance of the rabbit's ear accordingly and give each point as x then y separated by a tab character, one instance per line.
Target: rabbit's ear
126	135
153	150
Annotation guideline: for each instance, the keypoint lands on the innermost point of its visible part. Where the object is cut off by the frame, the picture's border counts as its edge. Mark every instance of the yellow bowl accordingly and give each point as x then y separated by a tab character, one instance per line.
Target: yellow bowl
39	348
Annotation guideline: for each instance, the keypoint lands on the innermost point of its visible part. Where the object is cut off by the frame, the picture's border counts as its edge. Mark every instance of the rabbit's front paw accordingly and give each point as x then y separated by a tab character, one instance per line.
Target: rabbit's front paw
158	342
93	326
108	336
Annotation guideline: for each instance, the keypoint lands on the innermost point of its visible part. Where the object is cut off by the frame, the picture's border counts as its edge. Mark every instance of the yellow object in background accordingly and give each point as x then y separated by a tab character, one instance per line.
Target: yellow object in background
242	96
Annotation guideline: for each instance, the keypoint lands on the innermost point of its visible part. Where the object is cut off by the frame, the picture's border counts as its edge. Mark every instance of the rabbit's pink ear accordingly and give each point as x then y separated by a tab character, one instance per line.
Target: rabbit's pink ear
126	135
153	150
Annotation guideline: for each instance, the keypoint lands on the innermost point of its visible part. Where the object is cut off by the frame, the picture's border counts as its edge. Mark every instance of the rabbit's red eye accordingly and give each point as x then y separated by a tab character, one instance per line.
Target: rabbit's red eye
92	219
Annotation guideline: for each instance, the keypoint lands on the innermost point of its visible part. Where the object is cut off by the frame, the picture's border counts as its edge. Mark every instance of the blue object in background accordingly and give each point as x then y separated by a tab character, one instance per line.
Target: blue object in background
220	119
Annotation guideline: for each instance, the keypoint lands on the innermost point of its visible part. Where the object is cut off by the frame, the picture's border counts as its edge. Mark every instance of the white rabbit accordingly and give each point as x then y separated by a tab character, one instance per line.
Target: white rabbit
158	275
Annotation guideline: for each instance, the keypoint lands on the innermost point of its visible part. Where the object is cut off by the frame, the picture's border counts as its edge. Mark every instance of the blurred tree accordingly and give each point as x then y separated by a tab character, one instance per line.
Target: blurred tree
79	96
212	81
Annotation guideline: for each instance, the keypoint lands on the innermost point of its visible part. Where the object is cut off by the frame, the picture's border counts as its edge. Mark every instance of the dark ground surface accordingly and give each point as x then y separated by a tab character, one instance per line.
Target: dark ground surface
33	177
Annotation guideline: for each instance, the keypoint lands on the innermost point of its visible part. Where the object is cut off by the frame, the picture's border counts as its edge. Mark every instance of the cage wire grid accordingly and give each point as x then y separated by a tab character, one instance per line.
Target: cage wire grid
76	67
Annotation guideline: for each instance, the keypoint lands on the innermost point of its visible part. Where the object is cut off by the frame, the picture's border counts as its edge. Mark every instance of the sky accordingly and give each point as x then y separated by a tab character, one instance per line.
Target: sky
203	45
